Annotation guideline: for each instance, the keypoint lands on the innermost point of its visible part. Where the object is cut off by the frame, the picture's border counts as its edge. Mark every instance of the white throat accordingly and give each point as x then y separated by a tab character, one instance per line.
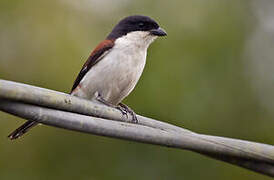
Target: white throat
137	39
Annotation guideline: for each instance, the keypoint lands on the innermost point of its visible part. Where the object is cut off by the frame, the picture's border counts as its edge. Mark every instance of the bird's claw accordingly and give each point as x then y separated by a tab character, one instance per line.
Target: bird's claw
125	109
134	118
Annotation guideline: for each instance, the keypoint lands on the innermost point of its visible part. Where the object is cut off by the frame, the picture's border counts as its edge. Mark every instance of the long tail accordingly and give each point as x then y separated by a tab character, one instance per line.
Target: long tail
22	130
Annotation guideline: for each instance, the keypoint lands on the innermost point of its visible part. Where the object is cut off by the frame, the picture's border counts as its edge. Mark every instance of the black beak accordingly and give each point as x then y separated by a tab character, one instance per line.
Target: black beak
158	32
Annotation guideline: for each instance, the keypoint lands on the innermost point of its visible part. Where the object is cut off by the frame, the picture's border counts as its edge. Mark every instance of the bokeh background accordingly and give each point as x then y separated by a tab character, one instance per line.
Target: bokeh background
212	74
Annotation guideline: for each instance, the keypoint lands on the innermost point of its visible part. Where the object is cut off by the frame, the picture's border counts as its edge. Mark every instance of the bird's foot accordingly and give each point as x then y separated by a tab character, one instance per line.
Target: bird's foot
124	109
128	110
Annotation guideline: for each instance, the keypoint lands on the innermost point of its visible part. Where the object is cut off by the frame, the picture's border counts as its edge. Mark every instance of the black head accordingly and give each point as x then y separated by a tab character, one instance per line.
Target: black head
136	23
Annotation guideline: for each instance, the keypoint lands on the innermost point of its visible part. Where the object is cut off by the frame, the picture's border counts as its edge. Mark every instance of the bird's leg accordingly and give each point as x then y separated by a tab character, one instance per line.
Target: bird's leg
99	98
130	111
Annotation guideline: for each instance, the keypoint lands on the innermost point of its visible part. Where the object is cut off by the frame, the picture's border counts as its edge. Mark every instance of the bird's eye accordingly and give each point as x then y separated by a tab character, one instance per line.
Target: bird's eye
141	25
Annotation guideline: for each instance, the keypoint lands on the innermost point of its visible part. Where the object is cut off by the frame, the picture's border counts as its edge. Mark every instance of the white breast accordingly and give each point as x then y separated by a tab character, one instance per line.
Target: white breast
116	75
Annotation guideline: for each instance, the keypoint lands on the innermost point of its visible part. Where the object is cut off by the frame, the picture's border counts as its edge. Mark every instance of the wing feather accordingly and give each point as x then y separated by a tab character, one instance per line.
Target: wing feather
97	54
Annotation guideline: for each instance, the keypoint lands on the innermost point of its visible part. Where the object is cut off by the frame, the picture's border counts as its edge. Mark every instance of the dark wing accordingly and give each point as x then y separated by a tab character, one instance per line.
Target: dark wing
94	57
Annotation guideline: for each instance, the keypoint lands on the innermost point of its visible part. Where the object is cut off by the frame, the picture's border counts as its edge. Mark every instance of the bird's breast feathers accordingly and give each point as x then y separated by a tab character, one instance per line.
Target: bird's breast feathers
117	73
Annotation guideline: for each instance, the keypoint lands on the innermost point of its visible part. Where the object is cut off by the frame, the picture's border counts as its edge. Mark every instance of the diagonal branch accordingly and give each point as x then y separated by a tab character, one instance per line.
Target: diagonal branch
65	111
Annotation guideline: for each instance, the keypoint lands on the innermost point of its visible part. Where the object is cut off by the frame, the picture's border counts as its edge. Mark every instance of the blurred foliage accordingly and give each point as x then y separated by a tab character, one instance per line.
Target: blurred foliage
195	78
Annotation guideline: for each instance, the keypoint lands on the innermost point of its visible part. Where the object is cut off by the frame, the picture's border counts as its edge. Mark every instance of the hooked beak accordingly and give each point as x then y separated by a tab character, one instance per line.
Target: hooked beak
158	32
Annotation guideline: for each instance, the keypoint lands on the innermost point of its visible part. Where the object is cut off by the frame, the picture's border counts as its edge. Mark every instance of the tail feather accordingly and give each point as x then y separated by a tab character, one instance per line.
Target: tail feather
22	130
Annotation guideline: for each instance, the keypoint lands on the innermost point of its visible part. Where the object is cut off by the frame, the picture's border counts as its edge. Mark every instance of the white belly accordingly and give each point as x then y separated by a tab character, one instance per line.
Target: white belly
115	76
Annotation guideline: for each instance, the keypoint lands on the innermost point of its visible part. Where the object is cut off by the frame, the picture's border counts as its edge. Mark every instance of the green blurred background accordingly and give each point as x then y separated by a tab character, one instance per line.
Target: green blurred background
210	75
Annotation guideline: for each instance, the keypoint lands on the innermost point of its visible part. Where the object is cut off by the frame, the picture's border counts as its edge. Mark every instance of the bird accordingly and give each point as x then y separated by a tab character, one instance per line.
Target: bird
114	67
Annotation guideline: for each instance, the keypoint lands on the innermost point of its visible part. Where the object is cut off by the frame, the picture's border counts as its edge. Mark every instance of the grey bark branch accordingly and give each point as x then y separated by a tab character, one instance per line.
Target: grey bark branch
68	112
